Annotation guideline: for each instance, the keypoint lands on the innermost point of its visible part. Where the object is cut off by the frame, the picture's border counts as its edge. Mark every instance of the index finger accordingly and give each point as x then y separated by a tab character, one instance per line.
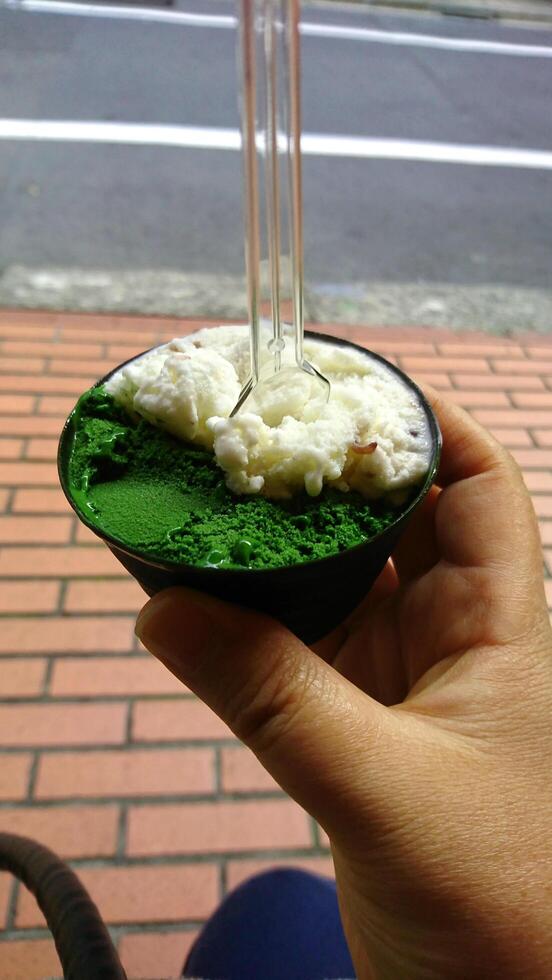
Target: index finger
485	515
468	448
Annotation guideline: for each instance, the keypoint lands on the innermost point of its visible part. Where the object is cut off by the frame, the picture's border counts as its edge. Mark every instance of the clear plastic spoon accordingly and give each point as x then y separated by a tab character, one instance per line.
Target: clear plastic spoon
271	128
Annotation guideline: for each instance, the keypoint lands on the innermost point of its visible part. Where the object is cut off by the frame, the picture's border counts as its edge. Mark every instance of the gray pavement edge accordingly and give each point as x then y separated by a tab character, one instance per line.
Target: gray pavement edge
495	309
533	12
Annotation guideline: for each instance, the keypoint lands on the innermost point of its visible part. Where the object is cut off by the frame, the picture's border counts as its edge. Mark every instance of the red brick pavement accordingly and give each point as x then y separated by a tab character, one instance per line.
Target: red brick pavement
106	757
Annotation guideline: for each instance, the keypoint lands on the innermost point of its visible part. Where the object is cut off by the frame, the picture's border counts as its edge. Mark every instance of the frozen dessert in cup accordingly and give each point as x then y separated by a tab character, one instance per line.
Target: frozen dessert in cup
292	510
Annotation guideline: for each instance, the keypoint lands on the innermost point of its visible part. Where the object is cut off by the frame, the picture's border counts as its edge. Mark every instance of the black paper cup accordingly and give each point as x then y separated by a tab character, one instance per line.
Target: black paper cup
311	598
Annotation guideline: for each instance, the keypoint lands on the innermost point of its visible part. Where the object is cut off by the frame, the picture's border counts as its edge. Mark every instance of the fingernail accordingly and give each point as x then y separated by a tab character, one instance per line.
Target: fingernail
149	612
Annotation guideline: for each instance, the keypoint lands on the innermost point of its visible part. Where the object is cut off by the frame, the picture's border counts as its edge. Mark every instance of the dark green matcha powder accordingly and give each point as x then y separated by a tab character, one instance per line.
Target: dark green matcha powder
167	498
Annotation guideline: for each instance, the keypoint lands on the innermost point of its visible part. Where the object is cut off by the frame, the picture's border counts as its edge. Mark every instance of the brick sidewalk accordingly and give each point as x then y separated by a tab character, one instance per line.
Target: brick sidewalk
105	757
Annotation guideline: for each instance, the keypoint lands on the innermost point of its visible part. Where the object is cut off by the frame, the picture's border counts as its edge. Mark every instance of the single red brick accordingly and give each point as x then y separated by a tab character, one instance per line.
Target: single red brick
500	382
11	448
32	425
402	347
498	349
84	677
40	502
502	366
5	892
14	780
166	893
21	365
17	330
479	399
511	438
148	772
85	536
111	322
425	335
242	772
184	326
210	828
533	458
66	562
244	868
167	721
78	352
96	596
21	678
62	634
538	352
543	437
538	481
16	404
56	405
439	381
415	364
543	506
42	449
30	474
72	832
62	724
522	418
156	954
30	959
119	353
27	330
96	368
545	528
46	383
104	332
532	399
24	317
29	597
24	530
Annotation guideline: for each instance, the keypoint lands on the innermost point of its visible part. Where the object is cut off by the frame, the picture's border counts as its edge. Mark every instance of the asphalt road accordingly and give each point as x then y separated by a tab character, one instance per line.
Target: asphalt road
93	205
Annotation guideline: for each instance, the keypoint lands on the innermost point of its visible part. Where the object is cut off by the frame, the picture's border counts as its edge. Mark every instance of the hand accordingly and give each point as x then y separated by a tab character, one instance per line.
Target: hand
419	734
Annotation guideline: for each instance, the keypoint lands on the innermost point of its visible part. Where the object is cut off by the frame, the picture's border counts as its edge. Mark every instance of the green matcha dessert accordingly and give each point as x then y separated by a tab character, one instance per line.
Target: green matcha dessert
293	510
168	499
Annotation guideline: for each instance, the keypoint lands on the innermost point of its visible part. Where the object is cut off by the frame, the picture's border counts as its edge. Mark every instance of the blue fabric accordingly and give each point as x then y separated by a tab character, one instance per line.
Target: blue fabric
280	925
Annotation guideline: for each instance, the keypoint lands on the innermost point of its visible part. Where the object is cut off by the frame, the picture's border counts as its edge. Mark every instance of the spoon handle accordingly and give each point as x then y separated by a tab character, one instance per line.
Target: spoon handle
295	187
271	125
274	75
282	139
249	101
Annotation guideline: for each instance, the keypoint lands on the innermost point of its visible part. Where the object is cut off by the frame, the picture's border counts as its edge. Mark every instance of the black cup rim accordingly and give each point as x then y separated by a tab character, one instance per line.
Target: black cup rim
402	515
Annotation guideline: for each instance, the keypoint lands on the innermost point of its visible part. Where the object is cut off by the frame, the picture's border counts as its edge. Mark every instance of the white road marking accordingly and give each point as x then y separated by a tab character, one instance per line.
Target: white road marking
335	31
403	38
312	144
150	134
114	12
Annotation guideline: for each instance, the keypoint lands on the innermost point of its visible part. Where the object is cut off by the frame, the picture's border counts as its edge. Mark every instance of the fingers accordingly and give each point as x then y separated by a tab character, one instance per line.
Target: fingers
417	549
329	647
303	721
468	449
484	517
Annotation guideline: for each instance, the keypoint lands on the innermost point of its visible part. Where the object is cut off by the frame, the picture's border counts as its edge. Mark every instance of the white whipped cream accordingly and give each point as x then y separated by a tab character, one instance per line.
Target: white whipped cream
371	436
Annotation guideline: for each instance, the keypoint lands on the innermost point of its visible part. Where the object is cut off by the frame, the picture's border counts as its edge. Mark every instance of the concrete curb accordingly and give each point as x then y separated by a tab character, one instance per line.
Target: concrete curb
494	308
537	12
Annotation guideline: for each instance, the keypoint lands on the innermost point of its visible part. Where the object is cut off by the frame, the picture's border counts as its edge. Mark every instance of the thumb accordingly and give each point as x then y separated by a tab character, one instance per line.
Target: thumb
310	728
